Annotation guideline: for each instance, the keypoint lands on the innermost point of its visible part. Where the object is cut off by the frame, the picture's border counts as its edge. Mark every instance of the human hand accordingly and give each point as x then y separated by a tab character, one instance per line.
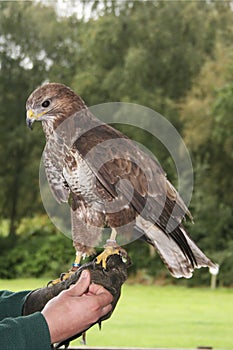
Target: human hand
76	308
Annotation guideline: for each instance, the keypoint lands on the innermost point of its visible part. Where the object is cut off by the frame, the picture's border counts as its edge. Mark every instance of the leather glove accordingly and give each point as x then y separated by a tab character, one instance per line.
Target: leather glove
110	278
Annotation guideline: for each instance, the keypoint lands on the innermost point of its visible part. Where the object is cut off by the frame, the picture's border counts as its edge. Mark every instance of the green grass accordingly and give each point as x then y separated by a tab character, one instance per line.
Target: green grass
154	316
23	284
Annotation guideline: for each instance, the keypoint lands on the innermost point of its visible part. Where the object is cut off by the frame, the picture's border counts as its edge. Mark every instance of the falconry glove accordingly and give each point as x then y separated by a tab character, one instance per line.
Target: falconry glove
110	278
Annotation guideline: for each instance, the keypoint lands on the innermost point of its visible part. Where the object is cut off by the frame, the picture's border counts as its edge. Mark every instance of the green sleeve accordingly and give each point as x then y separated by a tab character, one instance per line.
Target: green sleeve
25	333
11	304
21	332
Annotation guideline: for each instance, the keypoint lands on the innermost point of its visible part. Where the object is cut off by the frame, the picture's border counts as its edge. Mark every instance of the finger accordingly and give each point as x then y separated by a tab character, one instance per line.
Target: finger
81	285
106	309
97	289
104	298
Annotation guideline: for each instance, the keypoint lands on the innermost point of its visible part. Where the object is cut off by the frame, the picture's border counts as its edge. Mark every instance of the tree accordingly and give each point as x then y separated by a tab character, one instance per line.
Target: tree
155	50
207	114
35	46
151	57
172	56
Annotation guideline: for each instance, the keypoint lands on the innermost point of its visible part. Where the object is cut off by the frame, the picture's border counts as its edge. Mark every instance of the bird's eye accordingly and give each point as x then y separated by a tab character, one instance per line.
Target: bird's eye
46	103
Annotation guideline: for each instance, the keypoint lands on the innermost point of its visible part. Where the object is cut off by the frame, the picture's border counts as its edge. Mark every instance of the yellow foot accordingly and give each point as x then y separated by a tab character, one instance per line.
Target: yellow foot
102	257
53	282
64	276
110	249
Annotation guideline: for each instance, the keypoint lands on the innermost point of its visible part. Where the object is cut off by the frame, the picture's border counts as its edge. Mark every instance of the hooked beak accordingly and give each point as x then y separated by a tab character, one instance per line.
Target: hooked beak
30	118
29	123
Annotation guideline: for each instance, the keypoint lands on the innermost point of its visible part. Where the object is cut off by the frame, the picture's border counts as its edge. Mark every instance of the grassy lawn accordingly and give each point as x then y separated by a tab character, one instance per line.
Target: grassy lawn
153	316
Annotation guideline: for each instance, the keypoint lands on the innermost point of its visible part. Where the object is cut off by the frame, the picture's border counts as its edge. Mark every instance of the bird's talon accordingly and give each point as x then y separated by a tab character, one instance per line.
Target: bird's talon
124	259
64	276
53	282
108	251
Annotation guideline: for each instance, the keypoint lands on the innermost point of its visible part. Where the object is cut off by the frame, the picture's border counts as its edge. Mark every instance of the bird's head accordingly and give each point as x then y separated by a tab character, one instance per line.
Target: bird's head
52	102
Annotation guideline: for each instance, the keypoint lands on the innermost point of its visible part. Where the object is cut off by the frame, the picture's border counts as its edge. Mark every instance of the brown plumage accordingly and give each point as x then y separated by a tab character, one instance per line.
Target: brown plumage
93	166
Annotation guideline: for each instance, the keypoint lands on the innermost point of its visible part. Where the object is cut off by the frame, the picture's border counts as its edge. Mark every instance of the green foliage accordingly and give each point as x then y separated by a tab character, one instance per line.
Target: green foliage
39	250
209	135
172	56
155	49
222	110
30	46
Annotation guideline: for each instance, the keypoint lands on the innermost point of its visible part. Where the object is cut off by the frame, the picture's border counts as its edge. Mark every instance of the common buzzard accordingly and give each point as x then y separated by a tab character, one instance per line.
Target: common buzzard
106	187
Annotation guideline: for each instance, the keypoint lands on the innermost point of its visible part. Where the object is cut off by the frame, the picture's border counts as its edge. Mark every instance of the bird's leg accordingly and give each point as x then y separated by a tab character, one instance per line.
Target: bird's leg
76	264
111	247
113	235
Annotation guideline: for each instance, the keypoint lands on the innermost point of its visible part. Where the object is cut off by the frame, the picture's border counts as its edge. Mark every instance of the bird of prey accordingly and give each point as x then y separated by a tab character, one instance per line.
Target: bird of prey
140	197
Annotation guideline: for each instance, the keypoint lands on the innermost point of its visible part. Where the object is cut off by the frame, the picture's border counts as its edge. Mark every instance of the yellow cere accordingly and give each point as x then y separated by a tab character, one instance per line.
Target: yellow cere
31	114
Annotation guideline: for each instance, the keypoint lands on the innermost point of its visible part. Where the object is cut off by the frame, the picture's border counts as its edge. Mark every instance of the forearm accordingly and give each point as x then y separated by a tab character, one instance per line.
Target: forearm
25	333
11	304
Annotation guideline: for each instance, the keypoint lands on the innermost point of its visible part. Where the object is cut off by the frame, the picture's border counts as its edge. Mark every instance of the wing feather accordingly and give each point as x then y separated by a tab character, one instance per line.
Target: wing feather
146	177
152	193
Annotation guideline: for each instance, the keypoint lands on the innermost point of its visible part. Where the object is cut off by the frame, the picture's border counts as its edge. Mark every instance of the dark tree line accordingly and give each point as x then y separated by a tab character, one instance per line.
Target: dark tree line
174	57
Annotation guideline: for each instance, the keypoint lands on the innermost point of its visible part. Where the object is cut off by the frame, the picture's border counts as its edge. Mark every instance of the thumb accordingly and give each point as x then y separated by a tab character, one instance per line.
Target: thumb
82	285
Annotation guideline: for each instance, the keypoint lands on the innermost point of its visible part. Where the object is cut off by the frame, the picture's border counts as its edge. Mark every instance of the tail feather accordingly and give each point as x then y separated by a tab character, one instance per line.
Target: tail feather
201	259
180	259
